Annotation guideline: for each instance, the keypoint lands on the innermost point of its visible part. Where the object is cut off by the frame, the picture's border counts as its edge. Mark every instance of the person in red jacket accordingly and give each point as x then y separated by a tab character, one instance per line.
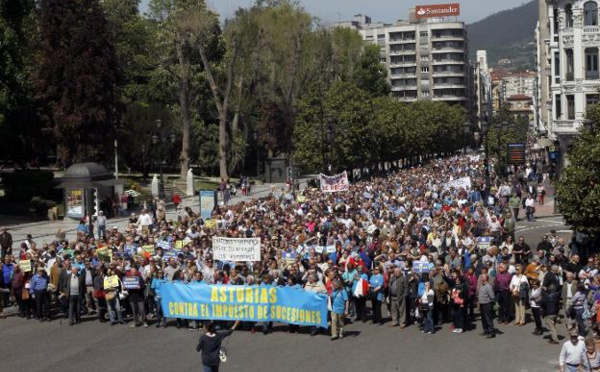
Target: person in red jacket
176	199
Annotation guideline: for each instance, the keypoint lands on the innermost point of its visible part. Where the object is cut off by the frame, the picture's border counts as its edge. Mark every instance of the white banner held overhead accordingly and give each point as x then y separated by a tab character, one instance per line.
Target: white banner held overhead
236	249
464	182
338	182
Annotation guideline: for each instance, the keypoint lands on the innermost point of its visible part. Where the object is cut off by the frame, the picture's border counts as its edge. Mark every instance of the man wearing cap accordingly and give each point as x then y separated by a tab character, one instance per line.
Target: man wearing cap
573	354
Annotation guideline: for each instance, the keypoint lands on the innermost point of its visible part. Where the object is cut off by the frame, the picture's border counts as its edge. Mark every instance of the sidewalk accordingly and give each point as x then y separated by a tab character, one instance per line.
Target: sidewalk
546	210
45	231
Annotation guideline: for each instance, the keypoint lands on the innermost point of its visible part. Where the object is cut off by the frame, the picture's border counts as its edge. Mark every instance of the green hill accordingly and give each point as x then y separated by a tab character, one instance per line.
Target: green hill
507	34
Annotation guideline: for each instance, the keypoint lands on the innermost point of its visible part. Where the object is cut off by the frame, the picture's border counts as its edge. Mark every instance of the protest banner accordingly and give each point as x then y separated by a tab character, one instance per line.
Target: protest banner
25	265
111	282
169	254
178	245
464	182
292	305
301	198
338	182
164	244
236	249
319	249
421	267
330	248
208	202
148	249
131	282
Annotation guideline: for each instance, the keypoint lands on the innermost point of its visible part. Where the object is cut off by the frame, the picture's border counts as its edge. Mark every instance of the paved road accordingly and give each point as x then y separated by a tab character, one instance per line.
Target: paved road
92	346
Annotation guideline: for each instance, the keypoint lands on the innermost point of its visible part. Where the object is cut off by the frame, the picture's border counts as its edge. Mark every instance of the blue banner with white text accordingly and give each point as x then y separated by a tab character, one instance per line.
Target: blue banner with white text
291	305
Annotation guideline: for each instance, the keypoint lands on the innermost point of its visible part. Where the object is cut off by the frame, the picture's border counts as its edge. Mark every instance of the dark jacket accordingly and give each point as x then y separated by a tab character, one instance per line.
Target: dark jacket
64	283
402	289
550	303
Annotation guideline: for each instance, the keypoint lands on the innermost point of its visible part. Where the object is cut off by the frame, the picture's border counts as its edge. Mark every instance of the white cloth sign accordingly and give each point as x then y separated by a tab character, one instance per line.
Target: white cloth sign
236	249
338	182
464	182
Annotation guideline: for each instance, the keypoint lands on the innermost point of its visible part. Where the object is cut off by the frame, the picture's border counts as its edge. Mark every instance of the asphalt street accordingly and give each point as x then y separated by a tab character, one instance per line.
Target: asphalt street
93	346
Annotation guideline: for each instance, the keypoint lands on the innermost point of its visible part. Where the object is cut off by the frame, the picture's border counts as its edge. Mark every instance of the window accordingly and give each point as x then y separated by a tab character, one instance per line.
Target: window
425	58
423	34
555	21
556	65
570	107
425	93
425	69
590	14
558	106
568	16
591	64
591	99
570	68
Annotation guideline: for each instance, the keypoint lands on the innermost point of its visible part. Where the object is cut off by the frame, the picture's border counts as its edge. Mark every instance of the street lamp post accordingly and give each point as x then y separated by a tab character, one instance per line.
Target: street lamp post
255	136
467	131
162	137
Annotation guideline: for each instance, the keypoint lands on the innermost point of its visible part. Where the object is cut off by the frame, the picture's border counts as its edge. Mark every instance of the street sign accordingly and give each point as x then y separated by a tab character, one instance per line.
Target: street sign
516	153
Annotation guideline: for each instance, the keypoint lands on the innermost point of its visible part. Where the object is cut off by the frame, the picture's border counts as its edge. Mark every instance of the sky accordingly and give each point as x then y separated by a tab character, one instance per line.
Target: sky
379	10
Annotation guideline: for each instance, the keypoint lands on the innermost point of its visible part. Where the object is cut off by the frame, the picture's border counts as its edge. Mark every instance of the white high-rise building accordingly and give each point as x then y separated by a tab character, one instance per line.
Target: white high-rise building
424	58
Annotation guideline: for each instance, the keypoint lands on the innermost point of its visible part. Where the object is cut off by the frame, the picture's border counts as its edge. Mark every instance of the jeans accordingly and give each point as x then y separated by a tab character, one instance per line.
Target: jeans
138	310
206	368
159	313
101	231
114	306
580	321
361	308
428	327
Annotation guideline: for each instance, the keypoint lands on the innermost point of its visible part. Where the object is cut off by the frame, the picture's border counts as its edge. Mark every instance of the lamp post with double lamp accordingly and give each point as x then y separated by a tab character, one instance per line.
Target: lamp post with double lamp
162	136
467	132
485	127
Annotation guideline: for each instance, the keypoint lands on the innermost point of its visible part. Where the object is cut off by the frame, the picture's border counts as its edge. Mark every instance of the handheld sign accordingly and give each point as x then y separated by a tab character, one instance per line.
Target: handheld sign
25	265
111	282
420	267
131	282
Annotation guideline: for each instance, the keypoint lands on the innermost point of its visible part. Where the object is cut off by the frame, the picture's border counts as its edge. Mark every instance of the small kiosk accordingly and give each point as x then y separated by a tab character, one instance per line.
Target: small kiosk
85	186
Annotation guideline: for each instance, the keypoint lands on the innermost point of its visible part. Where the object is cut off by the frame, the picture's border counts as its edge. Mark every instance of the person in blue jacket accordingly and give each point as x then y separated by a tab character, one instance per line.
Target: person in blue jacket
376	292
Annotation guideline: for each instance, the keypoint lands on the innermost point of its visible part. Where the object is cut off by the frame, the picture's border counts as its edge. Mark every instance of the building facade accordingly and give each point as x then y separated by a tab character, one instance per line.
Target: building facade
425	58
571	49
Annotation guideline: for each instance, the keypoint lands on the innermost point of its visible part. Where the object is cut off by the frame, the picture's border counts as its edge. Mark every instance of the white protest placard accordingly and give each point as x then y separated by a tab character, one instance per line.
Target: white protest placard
338	182
464	182
474	158
319	249
236	249
330	248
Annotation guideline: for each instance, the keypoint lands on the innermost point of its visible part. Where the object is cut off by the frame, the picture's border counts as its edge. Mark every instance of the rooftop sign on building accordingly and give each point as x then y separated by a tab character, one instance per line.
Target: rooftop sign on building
438	10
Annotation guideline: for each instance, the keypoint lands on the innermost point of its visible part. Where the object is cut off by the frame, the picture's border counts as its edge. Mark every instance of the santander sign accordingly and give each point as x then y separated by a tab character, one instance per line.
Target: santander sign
439	10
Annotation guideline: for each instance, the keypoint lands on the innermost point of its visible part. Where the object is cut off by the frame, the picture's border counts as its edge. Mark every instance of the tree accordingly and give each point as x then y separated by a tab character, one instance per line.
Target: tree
578	190
20	132
370	74
78	80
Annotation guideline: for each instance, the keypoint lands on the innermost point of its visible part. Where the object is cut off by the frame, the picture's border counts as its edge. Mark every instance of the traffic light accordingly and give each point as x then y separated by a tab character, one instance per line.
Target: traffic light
92	203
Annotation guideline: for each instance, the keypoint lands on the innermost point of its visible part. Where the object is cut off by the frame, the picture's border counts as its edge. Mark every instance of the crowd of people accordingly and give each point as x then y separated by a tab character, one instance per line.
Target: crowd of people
365	248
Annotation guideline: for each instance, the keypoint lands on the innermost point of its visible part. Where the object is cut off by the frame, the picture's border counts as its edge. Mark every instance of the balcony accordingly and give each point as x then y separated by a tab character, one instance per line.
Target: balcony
447	61
592	75
404	87
448	85
561	126
447	37
591	30
448	73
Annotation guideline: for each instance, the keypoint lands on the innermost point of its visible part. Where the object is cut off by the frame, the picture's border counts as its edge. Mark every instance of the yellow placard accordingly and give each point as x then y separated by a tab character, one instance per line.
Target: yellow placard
111	282
104	254
301	198
25	265
148	249
210	223
179	244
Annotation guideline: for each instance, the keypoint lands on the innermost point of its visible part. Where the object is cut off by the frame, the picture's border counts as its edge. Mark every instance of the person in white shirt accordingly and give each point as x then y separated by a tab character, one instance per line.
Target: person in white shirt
572	354
145	222
520	286
530	208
